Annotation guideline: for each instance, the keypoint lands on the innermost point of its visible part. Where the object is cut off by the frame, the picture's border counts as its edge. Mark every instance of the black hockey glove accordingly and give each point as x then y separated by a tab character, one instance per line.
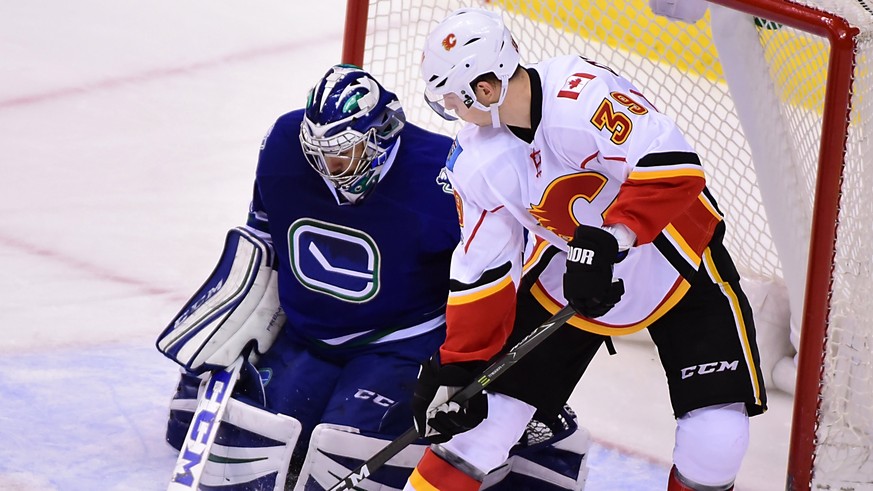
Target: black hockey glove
436	418
588	285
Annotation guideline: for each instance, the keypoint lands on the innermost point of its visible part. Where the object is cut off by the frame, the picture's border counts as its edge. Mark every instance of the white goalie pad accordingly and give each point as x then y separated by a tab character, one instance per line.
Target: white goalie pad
253	445
578	443
347	444
332	444
237	306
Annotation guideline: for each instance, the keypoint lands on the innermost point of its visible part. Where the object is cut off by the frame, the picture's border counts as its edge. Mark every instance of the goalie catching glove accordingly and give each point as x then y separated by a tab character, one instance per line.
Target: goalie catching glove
236	307
437	418
588	284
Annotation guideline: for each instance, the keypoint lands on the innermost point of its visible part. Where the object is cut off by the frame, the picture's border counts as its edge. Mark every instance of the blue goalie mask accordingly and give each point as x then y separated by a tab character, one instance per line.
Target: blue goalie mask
350	125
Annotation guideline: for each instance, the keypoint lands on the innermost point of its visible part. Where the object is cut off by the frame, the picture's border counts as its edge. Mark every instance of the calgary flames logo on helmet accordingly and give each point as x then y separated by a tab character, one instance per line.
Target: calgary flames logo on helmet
555	209
449	42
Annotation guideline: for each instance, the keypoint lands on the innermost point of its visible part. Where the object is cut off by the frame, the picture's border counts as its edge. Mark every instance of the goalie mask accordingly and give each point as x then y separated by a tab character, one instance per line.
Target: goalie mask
349	128
467	44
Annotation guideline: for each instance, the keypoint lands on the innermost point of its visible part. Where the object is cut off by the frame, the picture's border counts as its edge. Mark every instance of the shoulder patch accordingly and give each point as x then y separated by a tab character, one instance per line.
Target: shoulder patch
574	84
443	181
453	154
267	135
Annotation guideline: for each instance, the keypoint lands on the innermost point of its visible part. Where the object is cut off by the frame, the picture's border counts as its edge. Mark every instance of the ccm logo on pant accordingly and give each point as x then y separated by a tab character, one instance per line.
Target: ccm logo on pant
713	367
580	255
369	395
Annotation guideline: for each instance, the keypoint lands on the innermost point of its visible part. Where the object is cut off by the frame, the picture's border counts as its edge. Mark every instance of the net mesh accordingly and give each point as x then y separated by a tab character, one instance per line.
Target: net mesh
765	183
675	64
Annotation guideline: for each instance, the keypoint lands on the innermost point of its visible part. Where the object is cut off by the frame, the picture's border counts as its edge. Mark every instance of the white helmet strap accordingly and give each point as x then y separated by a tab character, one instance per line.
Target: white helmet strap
494	109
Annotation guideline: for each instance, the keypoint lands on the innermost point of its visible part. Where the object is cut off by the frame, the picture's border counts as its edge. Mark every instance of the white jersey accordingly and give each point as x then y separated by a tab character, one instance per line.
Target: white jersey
598	154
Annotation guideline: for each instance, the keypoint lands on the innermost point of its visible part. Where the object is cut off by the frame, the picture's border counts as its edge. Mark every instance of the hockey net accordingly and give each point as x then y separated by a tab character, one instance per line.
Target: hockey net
776	98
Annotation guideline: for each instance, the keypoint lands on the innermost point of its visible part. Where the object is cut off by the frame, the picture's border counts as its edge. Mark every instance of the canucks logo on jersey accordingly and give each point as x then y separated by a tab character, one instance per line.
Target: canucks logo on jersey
339	261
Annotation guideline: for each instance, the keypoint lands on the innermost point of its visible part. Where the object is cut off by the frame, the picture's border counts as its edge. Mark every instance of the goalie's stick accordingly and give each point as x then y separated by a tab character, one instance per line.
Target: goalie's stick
204	426
491	373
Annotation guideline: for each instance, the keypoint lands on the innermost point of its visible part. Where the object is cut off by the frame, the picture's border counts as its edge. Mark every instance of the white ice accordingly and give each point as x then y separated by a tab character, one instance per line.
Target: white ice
129	133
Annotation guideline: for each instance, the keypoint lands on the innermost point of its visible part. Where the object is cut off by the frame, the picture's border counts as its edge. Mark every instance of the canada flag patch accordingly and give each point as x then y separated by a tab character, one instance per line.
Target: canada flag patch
574	85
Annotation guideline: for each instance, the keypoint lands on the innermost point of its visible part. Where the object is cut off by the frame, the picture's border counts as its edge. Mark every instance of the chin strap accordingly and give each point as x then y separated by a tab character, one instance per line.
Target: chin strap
495	115
494	109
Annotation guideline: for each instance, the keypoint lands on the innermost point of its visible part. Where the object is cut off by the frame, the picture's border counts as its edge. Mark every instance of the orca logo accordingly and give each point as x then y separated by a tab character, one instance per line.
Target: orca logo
266	375
443	181
338	261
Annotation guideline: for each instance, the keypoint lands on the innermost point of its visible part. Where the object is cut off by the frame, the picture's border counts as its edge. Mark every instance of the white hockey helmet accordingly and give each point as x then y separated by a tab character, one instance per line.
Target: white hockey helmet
470	42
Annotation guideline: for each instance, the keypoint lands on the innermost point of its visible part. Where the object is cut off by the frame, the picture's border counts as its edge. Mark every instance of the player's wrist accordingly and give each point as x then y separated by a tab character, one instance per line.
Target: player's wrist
625	237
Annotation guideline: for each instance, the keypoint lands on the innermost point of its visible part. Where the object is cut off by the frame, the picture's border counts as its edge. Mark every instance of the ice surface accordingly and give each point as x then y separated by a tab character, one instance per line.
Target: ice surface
128	139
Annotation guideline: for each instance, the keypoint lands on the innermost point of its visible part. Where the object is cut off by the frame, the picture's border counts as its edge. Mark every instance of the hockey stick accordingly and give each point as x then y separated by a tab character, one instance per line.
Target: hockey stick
204	426
490	374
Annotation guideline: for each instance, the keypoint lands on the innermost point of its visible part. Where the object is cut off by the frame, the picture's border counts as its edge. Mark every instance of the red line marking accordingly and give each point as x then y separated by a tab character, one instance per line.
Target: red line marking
166	72
91	269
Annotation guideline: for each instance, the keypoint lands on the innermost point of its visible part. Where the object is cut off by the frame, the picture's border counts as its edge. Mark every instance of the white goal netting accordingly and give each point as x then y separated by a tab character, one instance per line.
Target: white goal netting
750	94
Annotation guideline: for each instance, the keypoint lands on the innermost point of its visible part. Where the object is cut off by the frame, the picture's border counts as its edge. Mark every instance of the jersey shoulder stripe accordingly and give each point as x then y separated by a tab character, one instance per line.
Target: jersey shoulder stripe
668	158
488	277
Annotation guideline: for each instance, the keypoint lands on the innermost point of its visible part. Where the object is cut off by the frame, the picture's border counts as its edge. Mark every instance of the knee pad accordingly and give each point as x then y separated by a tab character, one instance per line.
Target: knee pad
551	456
711	443
252	449
334	451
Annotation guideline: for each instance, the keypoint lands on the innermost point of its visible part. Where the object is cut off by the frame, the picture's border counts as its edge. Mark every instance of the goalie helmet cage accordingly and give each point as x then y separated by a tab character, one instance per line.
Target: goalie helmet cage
775	96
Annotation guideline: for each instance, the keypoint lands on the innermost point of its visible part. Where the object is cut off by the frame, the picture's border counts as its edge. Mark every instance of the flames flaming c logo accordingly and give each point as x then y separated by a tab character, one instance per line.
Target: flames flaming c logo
449	42
555	209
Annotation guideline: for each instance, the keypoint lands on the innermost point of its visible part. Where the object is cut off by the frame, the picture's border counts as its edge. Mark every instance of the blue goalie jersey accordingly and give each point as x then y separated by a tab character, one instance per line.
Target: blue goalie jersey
353	275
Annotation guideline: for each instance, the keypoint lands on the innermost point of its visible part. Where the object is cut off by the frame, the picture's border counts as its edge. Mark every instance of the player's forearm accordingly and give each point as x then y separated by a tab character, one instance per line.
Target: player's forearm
647	206
478	323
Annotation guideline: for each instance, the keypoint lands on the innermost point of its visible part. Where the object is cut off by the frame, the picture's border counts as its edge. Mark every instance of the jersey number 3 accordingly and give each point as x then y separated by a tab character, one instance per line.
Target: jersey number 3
617	123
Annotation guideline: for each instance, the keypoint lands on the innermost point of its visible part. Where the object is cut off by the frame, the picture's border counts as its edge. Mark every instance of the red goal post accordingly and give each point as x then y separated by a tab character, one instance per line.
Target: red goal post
775	95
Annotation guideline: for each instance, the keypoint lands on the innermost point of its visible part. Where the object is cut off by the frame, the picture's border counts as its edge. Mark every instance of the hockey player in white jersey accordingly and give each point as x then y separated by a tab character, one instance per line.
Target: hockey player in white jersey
349	236
624	230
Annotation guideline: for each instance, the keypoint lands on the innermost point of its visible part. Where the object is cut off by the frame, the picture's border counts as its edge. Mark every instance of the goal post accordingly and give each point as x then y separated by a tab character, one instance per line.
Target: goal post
836	112
775	95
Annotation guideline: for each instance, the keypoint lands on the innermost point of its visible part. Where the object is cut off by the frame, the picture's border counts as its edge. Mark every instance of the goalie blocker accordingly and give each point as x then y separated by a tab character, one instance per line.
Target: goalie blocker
236	307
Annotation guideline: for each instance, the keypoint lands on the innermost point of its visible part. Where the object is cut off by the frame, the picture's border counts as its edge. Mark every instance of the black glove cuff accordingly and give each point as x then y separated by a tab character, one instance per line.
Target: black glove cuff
457	374
601	243
461	373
